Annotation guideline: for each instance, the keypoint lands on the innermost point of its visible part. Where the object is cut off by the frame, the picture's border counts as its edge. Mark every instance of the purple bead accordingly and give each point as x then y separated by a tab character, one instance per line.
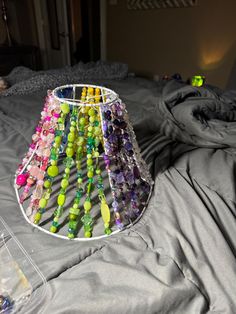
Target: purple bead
126	136
136	172
113	138
130	153
104	126
117	132
128	146
123	124
105	157
119	178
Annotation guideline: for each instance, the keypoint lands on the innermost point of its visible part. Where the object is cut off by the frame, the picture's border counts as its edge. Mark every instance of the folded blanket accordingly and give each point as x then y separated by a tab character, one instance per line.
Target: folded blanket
25	81
203	117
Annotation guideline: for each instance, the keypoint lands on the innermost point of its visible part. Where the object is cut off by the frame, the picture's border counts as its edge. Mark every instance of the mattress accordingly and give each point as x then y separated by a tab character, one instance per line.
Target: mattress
180	256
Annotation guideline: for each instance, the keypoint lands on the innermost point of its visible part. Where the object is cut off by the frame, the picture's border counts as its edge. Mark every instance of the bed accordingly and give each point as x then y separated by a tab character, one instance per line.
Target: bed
180	256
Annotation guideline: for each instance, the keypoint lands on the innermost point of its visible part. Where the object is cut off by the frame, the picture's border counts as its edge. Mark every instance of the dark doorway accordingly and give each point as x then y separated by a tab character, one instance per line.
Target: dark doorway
85	30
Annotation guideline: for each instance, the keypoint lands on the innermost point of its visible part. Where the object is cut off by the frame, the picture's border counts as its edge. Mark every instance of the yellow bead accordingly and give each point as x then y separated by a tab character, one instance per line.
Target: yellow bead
61	199
82	121
57	139
67	170
53	163
43	203
64	183
97	131
53	229
90	174
87	234
69	152
105	211
47	184
37	217
53	171
91	119
96	154
79	180
89	162
65	108
80	140
87	206
71	137
72	216
91	112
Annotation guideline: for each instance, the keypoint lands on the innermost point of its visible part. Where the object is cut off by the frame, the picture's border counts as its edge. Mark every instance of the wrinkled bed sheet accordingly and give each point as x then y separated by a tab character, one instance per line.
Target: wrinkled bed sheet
180	256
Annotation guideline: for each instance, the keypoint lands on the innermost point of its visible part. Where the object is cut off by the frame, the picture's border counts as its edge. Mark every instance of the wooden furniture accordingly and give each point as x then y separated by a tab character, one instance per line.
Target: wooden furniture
11	57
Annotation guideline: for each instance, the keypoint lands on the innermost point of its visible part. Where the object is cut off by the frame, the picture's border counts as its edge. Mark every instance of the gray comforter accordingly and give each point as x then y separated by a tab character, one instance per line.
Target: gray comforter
180	256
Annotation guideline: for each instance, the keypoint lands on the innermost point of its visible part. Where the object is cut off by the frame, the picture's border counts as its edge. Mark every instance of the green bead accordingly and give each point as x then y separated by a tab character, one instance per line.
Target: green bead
55	222
65	108
61	199
64	183
87	234
74	211
53	171
53	229
87	206
107	231
47	184
73	224
73	123
69	152
37	217
43	203
71	137
68	162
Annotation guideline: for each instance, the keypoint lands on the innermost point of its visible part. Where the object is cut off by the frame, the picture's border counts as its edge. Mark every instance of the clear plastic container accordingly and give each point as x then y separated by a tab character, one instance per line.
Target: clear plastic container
19	276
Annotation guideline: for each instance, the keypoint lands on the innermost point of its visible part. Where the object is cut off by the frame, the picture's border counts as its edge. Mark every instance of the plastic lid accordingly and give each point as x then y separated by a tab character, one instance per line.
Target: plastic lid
19	276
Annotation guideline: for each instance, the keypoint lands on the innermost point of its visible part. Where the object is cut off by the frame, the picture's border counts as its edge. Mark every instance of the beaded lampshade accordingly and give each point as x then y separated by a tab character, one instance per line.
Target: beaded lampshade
83	176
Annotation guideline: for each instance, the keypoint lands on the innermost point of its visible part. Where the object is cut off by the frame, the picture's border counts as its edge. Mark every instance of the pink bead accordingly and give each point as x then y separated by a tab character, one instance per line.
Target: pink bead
38	129
35	137
32	146
46	152
56	115
34	171
47	118
40	175
21	179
